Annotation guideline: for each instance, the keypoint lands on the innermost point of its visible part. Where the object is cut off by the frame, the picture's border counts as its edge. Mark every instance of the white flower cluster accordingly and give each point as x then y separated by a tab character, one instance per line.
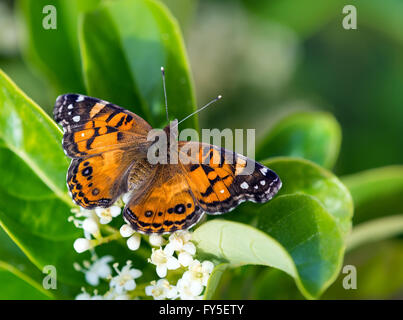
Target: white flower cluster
191	285
90	221
120	286
177	254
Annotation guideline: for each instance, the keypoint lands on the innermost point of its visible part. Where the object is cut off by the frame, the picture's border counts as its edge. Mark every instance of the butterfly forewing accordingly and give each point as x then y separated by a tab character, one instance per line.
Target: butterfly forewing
92	126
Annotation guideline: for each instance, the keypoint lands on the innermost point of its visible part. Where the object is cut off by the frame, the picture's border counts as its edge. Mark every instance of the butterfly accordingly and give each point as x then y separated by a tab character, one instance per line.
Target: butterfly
108	146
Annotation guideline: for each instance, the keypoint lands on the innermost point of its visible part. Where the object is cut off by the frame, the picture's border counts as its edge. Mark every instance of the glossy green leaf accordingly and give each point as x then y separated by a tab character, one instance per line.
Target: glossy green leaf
123	46
32	136
302	176
16	285
376	192
275	285
34	205
54	52
19	278
314	136
295	234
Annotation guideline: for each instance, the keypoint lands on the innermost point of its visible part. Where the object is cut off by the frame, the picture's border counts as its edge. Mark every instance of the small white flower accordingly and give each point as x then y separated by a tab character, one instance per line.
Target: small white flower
112	295
156	240
189	290
126	230
124	281
179	239
83	296
199	272
91	226
161	290
134	242
164	261
106	214
81	212
81	245
98	270
185	259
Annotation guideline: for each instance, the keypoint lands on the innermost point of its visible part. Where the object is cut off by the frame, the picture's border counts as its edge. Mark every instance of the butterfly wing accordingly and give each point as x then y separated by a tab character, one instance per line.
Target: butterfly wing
180	194
166	204
220	179
92	126
105	142
97	181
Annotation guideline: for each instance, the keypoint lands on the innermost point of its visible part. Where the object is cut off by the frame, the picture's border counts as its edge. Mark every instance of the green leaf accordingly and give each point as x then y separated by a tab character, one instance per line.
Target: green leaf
214	280
376	192
275	285
297	235
123	46
302	176
31	135
19	278
34	162
315	136
40	228
15	285
44	48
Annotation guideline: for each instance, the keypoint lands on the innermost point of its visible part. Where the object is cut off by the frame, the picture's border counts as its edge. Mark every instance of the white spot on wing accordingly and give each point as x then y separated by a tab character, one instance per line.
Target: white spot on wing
222	191
263	171
262	182
80	98
244	185
76	118
70	106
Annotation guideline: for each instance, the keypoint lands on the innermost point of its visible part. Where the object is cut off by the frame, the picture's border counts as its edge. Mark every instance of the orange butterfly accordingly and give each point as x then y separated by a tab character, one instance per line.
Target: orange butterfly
108	146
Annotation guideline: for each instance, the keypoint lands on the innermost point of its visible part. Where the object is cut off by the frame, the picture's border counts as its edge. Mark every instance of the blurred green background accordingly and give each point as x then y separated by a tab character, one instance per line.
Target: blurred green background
271	58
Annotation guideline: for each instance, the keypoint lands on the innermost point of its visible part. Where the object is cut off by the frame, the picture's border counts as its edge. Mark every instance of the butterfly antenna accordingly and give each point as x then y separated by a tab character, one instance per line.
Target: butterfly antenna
198	110
165	91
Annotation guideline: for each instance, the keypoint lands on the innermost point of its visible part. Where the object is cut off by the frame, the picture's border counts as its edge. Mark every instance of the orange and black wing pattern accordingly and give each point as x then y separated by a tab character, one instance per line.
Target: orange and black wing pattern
220	179
92	126
179	194
105	142
166	205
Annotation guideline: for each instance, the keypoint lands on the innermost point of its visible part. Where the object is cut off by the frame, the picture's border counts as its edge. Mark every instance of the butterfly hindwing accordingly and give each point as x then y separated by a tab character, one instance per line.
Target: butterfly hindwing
166	206
92	126
97	181
220	180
